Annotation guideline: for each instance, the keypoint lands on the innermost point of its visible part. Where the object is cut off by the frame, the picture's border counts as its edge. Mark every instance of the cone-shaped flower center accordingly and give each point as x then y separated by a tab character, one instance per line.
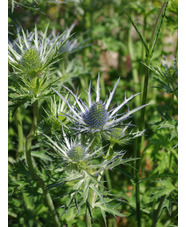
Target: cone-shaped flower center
96	116
76	153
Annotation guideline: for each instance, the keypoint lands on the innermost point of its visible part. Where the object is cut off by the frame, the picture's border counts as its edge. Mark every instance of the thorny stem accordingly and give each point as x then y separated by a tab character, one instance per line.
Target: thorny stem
32	168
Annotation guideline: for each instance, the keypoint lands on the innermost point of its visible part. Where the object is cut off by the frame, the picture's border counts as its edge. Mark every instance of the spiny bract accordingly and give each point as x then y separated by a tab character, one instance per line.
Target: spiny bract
97	116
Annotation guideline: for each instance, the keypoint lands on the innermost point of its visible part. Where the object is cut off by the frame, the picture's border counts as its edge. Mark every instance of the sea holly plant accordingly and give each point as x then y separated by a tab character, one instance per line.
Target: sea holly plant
81	154
71	155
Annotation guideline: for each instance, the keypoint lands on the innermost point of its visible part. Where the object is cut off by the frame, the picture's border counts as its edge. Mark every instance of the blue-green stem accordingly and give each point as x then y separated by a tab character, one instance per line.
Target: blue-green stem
32	169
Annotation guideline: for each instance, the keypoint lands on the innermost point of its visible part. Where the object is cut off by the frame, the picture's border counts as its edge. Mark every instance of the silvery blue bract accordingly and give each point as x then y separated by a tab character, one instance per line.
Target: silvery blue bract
96	116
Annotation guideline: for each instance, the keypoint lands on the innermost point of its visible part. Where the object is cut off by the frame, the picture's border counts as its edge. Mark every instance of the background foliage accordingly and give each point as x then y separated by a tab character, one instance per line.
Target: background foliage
105	42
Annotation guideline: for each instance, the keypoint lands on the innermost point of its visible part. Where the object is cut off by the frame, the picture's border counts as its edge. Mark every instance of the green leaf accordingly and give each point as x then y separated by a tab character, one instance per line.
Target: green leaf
41	155
166	187
160	176
157	27
104	216
139	33
93	179
109	209
98	193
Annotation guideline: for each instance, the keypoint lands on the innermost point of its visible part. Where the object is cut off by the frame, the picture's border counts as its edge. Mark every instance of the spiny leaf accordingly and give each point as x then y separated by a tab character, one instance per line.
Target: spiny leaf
104	216
166	187
109	209
94	180
156	176
98	193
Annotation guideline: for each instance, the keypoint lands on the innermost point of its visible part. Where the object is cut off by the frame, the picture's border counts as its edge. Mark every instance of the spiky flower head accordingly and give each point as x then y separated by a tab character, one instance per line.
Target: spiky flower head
31	58
31	61
76	153
37	50
97	116
72	151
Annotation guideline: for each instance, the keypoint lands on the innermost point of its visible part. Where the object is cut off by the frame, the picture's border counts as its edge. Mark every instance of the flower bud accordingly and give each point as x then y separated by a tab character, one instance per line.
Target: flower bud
31	61
76	153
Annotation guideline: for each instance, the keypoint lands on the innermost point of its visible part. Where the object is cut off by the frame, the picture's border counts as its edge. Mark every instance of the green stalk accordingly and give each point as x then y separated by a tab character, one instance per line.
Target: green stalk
19	132
32	168
140	140
88	219
92	196
139	143
107	175
158	212
134	69
109	152
88	22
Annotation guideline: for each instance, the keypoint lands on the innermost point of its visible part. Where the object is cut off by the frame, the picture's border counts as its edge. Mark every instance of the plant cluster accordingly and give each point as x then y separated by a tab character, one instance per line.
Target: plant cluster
78	154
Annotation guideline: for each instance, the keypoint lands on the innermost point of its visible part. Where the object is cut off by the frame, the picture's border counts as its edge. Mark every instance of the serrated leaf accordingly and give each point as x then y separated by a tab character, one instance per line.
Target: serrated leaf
98	193
160	176
109	209
165	188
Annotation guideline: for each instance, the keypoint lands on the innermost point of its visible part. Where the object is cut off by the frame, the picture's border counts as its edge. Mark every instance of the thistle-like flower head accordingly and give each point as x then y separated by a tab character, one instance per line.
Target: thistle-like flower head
32	57
76	153
73	151
36	52
96	116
